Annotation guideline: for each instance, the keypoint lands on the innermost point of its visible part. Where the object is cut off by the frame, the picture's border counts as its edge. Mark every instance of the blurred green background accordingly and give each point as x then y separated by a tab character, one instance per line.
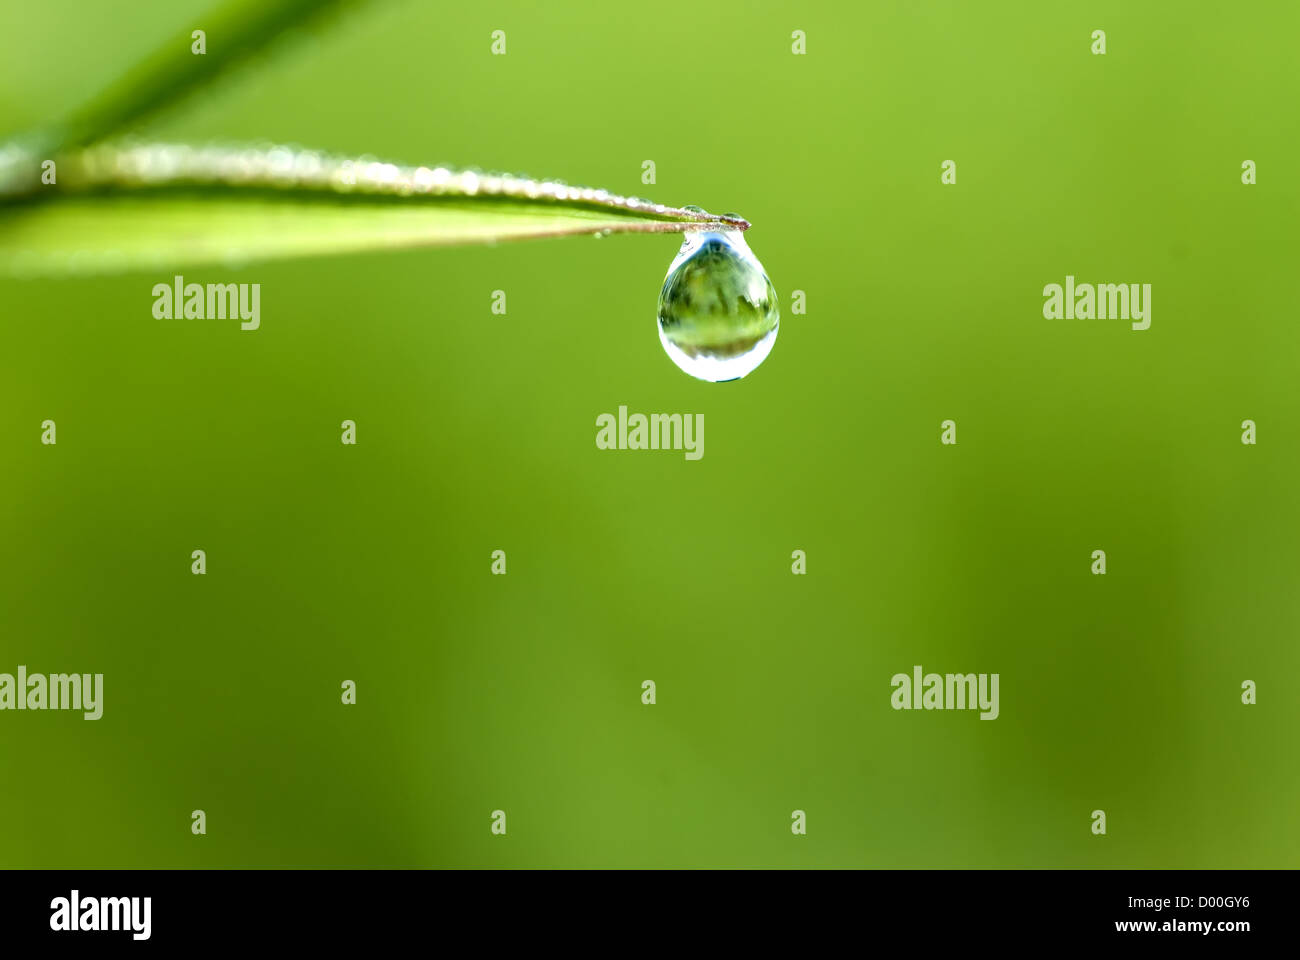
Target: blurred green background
476	432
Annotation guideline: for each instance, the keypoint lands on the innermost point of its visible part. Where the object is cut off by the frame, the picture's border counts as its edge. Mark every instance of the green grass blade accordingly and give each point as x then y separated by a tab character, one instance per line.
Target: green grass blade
162	206
234	30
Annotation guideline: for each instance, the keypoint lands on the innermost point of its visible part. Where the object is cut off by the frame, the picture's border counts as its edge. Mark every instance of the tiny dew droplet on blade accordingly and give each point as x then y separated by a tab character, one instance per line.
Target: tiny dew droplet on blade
718	315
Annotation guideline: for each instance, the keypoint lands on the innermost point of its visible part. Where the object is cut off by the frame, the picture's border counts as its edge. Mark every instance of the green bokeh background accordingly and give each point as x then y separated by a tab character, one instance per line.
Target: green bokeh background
476	432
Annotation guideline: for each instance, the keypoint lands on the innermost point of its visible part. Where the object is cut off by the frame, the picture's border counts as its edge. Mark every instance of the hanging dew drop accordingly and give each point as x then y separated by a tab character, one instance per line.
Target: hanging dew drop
718	315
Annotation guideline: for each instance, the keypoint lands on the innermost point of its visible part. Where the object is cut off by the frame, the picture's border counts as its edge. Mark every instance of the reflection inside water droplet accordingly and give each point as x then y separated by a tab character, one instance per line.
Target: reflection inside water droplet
718	315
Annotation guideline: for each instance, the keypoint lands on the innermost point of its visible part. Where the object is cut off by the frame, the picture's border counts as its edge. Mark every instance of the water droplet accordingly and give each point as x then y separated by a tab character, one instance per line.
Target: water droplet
692	208
718	315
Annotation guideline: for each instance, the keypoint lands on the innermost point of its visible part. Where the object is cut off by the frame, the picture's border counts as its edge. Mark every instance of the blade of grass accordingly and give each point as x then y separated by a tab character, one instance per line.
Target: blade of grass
122	206
234	30
158	206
